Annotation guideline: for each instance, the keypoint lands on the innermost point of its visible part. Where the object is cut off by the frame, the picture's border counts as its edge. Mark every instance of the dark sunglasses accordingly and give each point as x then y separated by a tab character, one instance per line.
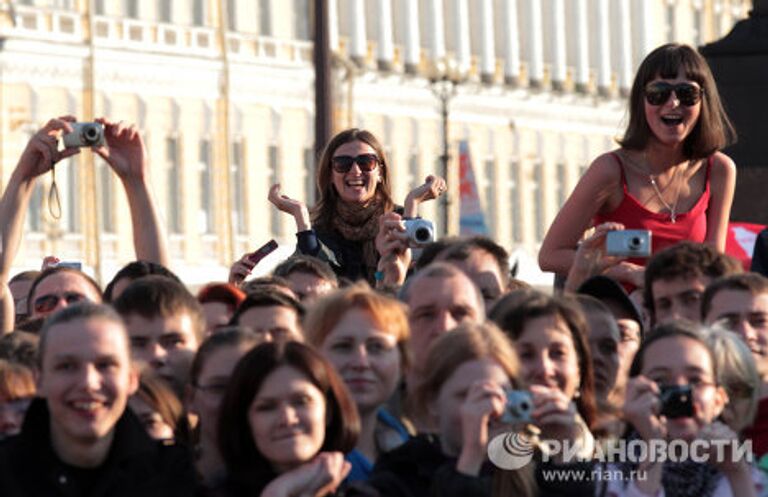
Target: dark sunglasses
658	93
343	163
47	303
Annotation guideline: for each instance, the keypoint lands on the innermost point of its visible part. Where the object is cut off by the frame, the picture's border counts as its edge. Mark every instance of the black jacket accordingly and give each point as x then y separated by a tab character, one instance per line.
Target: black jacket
418	468
136	466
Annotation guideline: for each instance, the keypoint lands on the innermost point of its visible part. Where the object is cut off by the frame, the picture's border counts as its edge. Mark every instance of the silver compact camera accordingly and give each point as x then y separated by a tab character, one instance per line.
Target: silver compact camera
85	135
420	232
519	407
628	243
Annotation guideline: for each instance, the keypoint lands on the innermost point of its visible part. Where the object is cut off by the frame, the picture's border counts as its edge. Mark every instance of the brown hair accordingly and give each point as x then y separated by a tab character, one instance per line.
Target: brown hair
158	395
233	336
325	208
16	380
712	132
153	296
248	469
387	313
52	271
512	315
686	260
752	283
677	328
468	342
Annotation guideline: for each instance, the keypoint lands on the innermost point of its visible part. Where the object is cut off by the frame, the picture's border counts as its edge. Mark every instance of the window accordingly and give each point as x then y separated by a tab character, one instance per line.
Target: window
198	12
302	19
173	176
98	7
309	168
514	201
132	9
35	216
165	10
237	181
205	215
561	185
489	193
414	176
106	197
537	190
671	18
69	190
232	15
265	21
273	176
698	25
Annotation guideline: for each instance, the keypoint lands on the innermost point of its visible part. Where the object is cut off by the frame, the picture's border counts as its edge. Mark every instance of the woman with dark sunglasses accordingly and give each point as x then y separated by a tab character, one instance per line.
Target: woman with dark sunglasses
668	176
353	181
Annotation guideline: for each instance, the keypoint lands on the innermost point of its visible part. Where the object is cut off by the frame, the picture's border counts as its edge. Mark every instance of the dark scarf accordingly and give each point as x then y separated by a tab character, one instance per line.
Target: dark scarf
689	478
360	223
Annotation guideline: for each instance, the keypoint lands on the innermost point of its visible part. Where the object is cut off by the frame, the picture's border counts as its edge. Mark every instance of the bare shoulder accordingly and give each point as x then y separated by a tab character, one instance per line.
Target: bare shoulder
605	169
723	167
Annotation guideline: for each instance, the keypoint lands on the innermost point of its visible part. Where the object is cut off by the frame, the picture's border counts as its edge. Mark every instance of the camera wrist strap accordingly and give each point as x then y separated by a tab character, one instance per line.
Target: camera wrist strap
54	202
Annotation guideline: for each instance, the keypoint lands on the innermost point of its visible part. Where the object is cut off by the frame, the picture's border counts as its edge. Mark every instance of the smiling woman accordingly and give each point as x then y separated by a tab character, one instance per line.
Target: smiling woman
285	422
353	183
668	177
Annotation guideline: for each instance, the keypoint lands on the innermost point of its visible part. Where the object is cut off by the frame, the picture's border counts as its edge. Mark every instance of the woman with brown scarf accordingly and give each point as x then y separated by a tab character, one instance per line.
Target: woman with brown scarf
353	181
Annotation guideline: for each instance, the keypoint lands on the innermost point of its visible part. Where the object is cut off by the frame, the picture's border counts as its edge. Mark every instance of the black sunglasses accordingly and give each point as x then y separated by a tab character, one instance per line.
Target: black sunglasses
687	93
343	163
47	303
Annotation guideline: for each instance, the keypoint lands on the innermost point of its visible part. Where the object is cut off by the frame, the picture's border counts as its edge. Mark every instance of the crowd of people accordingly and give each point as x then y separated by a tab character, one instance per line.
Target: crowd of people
362	368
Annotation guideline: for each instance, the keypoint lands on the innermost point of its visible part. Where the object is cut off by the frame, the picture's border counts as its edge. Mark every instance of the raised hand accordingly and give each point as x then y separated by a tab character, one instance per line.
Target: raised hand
240	270
392	245
295	208
124	151
42	150
317	478
433	187
484	402
641	408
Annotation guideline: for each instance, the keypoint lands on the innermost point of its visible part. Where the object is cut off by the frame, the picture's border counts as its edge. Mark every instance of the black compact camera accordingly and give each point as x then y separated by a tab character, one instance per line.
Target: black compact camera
84	135
519	407
676	401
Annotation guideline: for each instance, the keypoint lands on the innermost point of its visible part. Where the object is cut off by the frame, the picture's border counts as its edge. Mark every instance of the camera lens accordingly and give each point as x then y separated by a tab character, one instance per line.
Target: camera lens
91	134
635	243
421	235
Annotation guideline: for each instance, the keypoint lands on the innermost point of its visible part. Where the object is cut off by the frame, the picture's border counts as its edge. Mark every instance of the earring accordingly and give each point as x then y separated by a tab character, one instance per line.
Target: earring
577	394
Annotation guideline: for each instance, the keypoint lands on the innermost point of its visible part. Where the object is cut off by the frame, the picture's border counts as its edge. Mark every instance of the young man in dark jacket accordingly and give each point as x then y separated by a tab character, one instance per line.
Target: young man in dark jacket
80	439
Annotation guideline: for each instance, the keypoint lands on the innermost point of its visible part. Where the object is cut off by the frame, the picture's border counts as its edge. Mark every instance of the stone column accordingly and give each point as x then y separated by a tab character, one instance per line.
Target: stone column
437	30
604	48
511	44
625	49
559	65
412	42
461	28
358	49
582	46
535	44
488	50
385	51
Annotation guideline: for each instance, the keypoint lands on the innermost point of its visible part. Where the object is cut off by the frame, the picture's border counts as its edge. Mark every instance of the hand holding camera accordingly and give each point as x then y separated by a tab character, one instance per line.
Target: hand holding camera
123	149
642	408
42	150
484	402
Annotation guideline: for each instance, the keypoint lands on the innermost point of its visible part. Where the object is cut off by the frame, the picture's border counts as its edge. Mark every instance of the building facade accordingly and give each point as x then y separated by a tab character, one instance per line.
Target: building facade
223	93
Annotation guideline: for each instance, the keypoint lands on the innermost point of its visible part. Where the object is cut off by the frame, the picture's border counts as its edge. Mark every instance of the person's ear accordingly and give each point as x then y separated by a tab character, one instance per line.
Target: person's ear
133	380
721	400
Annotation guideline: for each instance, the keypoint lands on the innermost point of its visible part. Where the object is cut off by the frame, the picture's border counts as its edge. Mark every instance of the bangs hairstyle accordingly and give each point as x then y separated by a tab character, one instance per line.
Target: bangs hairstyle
16	381
468	342
246	466
388	314
512	314
325	208
712	132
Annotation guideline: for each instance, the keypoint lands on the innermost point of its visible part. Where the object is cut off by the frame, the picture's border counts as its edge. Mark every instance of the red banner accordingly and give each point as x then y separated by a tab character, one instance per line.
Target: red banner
740	241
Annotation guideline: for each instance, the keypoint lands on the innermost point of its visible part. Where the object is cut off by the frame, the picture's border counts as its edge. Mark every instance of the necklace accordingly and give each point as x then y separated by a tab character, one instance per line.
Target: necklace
652	180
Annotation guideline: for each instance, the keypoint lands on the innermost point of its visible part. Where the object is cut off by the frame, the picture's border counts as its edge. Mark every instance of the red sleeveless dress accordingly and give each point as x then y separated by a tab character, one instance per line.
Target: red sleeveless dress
691	225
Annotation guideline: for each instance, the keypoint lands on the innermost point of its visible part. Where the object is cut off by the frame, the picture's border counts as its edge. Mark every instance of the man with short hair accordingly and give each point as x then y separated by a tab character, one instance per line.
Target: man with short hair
439	298
271	313
58	287
166	325
676	277
485	262
308	277
79	439
740	303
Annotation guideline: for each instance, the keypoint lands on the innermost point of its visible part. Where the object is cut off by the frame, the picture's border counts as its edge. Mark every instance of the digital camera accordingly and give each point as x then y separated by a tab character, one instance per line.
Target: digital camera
84	135
420	232
628	243
519	407
676	401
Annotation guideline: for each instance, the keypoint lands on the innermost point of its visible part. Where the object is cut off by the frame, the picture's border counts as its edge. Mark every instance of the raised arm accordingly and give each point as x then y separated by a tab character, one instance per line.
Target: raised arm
723	184
433	187
602	179
127	156
40	154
